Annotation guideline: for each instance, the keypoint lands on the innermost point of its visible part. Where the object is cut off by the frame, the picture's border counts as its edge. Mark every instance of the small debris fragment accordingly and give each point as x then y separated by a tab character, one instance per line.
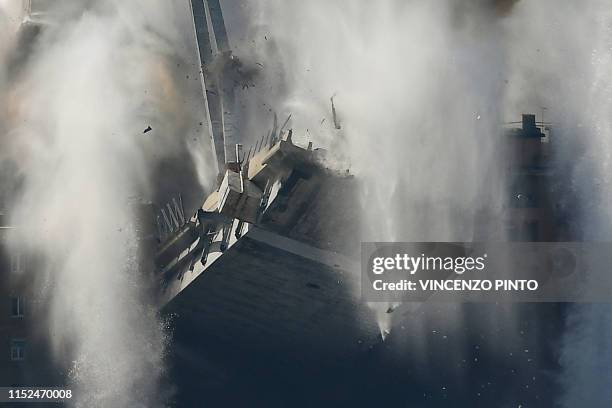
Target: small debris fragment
148	129
336	121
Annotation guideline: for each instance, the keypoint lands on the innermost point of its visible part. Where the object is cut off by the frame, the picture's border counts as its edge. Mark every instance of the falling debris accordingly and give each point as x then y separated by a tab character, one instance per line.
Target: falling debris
392	308
285	124
336	122
148	129
384	334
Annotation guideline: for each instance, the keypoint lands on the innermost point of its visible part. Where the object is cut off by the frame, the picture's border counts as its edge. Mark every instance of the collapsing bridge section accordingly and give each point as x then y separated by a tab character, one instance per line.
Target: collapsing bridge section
266	256
263	256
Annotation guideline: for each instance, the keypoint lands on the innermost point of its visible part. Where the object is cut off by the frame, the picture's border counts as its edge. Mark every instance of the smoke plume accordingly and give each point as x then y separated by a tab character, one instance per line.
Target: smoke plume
97	74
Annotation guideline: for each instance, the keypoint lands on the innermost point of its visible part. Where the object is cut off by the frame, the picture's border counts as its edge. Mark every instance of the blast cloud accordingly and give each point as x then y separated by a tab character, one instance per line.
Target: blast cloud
99	73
